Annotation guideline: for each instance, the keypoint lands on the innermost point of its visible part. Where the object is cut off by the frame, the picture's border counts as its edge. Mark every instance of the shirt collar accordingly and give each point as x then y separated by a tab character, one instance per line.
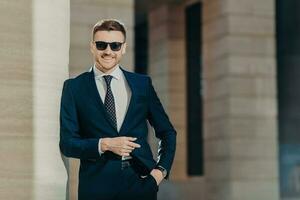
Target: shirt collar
116	73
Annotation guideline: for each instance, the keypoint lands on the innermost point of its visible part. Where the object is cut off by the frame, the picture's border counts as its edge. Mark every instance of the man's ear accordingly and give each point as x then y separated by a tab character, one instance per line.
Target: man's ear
124	48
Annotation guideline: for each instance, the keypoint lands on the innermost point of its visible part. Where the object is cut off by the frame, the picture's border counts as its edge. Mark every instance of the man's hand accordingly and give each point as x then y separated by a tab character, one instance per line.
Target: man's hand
158	175
122	146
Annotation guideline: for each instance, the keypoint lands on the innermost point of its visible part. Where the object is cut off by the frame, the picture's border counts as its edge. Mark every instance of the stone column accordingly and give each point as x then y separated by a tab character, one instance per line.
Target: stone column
167	69
51	40
84	14
33	63
241	160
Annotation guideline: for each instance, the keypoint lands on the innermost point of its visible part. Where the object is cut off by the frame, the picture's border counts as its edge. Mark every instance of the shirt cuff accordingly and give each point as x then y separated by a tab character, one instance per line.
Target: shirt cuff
99	147
163	170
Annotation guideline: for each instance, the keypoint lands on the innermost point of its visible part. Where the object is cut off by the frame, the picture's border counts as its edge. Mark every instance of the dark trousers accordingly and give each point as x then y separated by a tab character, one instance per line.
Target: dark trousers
116	180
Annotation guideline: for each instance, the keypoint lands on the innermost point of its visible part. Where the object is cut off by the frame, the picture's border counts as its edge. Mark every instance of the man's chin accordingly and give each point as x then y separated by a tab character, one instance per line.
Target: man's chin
108	68
107	65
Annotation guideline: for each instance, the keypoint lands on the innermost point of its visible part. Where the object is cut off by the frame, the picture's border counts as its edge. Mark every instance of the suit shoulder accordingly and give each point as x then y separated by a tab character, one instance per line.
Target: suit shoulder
75	80
137	76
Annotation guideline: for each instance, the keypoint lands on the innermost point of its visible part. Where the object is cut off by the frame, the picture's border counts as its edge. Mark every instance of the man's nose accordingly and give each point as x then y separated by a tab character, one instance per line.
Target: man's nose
107	50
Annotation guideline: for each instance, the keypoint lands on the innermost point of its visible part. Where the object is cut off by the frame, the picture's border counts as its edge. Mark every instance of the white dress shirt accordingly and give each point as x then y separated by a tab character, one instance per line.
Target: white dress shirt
120	90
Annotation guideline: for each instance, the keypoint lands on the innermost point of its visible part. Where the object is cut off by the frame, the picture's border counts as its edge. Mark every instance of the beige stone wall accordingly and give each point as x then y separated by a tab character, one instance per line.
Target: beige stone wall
16	109
240	100
33	61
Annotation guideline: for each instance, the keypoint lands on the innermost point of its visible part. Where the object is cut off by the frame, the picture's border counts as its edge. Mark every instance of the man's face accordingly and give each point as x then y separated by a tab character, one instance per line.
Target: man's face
106	59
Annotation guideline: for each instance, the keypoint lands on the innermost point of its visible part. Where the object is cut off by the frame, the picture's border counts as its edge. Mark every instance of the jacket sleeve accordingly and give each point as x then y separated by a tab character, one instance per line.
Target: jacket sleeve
72	144
163	130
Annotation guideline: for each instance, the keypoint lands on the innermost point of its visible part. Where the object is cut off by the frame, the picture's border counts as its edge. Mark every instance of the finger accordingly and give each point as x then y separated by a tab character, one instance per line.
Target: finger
126	151
134	145
131	138
128	147
124	154
130	143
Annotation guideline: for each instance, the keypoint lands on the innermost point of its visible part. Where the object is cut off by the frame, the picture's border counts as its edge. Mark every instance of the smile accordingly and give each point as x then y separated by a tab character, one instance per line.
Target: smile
107	58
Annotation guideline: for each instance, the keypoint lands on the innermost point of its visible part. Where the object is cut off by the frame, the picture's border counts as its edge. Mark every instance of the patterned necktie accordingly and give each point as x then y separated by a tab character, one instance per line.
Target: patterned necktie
109	101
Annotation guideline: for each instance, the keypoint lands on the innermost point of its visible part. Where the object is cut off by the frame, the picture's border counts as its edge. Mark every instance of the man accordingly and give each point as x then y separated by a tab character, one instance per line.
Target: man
103	122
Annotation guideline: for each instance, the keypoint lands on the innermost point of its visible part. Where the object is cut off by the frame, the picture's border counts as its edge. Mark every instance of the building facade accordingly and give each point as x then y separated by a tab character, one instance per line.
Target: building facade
225	70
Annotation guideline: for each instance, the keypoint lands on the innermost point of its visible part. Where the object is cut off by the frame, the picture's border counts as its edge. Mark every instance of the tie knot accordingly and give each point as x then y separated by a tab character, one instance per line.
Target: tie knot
107	79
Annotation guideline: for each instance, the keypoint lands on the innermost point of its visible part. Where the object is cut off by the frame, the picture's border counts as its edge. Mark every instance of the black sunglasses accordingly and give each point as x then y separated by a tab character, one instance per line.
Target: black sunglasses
114	46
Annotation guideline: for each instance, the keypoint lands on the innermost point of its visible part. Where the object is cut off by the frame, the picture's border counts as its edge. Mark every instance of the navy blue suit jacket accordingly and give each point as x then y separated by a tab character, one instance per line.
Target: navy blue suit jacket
83	120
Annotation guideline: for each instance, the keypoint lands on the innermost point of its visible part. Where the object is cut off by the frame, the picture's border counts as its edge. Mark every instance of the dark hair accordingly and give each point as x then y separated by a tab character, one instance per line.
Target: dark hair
109	25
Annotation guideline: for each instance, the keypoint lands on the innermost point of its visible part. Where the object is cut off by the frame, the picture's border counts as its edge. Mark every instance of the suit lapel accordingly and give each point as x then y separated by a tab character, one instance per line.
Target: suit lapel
130	81
96	97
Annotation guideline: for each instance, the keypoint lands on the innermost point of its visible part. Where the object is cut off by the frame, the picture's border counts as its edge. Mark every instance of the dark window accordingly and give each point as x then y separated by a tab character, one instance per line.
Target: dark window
194	89
141	43
288	80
